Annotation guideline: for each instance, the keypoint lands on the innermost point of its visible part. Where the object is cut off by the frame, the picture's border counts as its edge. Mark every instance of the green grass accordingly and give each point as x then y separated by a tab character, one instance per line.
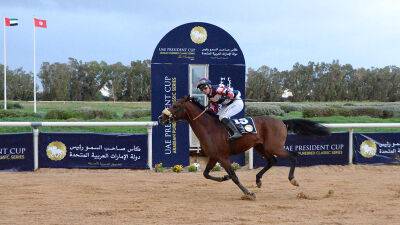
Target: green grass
342	119
121	107
43	107
136	130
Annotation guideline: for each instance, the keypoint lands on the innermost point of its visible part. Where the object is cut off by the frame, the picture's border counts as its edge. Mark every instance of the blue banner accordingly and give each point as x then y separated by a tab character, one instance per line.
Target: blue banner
87	150
170	142
231	76
16	152
185	45
198	43
376	148
239	158
329	150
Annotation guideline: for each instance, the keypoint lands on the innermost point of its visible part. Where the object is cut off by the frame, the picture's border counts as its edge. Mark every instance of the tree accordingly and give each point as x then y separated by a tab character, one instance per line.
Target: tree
300	81
94	76
117	83
138	81
265	84
255	85
77	76
56	81
19	84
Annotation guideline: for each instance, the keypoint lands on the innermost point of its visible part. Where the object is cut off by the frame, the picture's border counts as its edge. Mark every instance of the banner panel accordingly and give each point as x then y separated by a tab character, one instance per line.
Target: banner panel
231	76
185	45
329	150
16	152
376	148
87	150
170	142
198	43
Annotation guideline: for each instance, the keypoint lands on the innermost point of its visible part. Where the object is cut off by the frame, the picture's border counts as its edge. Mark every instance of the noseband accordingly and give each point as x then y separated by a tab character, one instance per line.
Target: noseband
169	114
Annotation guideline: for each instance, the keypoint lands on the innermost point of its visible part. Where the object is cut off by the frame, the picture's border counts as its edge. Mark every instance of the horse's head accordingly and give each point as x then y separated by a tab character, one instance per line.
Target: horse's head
176	112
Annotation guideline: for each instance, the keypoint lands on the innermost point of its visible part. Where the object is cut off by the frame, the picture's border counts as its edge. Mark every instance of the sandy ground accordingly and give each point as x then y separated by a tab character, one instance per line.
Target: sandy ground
327	195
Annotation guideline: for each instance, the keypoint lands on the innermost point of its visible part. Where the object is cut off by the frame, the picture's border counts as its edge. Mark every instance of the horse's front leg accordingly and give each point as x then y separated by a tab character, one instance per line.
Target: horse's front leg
210	165
247	194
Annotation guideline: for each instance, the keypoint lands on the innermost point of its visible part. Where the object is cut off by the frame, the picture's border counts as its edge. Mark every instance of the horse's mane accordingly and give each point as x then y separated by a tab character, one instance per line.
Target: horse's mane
202	107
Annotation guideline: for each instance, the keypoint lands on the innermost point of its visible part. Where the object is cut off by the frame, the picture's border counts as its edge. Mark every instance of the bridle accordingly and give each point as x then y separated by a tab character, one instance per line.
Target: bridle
171	116
167	113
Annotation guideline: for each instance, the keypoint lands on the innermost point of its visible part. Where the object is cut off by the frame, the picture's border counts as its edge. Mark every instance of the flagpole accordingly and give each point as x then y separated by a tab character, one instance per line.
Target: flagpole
34	66
5	65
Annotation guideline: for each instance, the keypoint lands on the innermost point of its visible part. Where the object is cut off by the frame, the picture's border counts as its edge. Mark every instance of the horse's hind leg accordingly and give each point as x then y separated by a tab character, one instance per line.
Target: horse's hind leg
292	156
227	166
271	160
210	165
293	160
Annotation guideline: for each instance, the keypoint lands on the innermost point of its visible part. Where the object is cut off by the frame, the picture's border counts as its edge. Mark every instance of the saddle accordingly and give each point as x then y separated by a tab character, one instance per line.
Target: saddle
244	125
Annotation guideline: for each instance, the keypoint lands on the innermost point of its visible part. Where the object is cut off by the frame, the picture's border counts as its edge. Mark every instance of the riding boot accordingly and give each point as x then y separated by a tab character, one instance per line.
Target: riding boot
231	127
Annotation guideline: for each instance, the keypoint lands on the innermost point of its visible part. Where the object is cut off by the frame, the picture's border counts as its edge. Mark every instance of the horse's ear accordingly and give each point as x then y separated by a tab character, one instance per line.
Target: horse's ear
188	98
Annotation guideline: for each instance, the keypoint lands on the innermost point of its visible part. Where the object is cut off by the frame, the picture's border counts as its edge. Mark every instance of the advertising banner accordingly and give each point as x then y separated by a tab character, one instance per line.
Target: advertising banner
171	141
193	43
376	148
16	152
329	150
87	150
184	46
231	76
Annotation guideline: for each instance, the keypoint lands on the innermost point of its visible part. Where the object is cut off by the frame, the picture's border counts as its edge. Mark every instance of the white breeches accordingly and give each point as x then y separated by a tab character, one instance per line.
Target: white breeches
227	111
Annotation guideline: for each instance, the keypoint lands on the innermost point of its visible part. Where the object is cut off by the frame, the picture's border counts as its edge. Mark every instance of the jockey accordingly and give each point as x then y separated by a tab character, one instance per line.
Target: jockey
229	100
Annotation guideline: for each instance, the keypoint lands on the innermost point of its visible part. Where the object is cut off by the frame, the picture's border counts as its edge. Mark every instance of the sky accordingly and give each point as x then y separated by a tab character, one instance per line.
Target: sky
364	33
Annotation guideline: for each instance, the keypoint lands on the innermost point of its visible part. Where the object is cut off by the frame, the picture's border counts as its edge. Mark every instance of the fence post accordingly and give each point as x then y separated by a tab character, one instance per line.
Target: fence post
351	130
35	148
251	159
150	147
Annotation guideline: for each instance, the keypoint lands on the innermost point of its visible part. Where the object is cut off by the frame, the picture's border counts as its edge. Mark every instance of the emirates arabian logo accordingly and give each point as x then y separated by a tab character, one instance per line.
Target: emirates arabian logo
368	148
56	151
198	35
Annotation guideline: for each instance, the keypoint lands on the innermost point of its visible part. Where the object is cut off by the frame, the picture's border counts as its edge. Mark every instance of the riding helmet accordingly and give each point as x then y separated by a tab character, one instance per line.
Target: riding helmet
203	82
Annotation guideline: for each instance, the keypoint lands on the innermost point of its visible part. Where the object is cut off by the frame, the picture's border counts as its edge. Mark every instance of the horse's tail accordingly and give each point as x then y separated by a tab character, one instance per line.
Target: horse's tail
306	127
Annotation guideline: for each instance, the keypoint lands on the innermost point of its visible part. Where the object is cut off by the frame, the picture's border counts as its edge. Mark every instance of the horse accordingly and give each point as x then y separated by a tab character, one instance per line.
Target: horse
269	140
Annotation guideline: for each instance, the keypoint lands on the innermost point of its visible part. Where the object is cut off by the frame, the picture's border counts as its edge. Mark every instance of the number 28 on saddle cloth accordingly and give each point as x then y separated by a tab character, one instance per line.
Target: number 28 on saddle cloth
245	125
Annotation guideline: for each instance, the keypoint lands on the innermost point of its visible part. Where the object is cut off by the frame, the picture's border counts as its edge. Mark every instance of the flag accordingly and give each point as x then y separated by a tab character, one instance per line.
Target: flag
40	23
10	22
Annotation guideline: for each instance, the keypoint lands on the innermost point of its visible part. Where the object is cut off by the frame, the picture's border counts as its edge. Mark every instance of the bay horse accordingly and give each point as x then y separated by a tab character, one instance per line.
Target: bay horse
269	140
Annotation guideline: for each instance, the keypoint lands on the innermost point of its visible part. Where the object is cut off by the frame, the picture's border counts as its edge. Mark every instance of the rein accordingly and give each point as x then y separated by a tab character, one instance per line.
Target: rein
205	109
198	115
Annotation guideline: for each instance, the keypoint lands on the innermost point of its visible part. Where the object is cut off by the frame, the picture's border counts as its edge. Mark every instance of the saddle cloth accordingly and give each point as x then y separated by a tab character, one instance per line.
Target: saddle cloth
245	125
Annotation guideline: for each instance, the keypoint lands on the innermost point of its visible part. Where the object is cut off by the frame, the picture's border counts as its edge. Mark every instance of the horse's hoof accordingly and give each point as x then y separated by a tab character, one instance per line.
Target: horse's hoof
259	183
294	182
250	196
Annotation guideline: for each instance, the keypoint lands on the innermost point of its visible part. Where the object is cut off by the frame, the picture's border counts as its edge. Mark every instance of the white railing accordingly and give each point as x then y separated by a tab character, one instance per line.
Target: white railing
35	126
351	127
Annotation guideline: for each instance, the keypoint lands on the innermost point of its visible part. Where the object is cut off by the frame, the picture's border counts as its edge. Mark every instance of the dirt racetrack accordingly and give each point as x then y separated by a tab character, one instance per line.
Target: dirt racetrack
327	195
